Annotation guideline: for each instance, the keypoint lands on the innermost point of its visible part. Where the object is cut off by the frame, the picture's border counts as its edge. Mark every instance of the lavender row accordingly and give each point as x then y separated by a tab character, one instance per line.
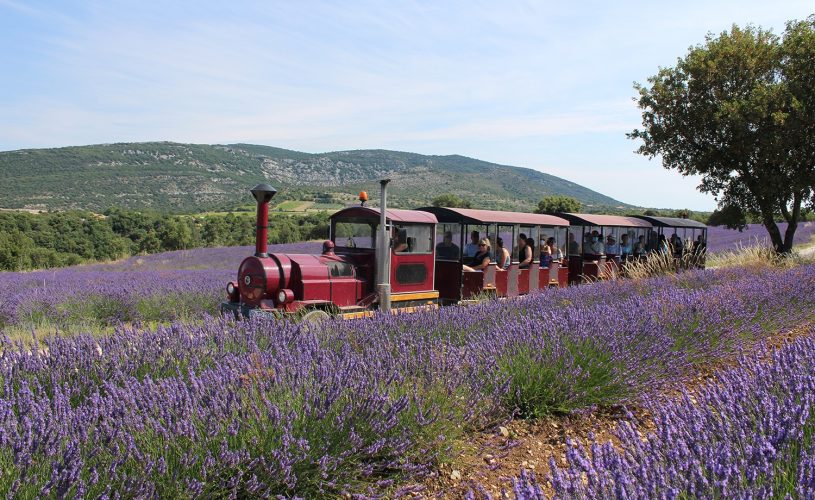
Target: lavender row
746	434
262	408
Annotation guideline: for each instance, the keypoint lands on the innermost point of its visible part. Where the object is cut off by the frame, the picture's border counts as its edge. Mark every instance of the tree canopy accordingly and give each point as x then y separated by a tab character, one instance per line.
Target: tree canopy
739	110
558	203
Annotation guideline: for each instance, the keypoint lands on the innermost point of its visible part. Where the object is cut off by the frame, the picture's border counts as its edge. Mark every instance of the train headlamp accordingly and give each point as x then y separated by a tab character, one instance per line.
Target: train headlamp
285	296
230	289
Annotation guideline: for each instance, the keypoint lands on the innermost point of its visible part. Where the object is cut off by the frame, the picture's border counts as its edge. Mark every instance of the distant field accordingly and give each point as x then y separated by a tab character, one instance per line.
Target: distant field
721	239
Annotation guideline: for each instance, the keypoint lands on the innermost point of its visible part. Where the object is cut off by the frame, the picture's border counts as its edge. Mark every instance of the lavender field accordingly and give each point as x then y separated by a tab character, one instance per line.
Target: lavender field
721	239
747	433
169	286
264	408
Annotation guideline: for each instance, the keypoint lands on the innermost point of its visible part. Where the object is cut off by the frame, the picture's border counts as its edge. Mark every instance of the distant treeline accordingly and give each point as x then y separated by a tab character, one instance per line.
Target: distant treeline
56	239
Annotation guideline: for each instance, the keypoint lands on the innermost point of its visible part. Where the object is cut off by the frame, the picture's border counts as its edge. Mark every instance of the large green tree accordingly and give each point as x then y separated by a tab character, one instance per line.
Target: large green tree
557	203
738	110
451	200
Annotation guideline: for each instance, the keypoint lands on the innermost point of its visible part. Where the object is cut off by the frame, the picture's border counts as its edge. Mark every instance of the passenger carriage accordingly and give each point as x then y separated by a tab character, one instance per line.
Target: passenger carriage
590	262
692	234
454	284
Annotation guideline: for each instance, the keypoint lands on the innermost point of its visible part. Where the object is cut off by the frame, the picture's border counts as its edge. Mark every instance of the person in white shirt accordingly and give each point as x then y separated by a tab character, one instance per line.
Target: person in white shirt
612	248
471	248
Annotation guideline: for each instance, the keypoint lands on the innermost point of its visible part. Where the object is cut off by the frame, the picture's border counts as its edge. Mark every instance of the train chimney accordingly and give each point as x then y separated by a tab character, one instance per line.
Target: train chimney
263	193
383	251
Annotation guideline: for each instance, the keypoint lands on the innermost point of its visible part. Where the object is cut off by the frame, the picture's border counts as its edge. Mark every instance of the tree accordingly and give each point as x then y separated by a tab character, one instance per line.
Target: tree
557	203
450	200
728	215
739	111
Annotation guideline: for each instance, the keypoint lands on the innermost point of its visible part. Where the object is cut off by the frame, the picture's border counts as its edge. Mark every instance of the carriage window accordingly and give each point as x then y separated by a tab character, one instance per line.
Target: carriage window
412	238
355	234
448	241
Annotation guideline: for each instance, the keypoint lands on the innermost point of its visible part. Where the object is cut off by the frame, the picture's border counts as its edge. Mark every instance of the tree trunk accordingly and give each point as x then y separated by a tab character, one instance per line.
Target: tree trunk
792	221
775	233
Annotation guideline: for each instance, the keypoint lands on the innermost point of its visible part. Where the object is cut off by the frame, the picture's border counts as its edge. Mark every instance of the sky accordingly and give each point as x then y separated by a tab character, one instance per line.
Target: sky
544	85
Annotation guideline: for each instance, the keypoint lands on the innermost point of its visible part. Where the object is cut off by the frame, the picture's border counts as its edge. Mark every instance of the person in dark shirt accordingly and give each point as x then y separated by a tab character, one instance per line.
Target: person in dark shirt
524	252
481	259
447	250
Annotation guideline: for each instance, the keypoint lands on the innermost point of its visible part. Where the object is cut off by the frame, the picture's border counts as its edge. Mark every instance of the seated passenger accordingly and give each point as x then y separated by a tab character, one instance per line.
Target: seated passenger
574	246
612	248
554	251
471	248
524	252
597	247
700	246
663	247
481	259
676	244
626	249
447	250
640	249
398	245
502	254
545	254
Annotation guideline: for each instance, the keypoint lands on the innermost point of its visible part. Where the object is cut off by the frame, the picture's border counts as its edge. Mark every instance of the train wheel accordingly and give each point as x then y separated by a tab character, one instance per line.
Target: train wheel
315	316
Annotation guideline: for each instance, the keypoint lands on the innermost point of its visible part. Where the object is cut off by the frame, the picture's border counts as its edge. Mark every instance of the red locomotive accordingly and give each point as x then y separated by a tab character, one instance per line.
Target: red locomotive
403	259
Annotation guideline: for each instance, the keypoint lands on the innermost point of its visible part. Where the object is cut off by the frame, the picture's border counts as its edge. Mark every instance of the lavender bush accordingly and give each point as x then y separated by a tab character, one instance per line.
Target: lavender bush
261	408
746	434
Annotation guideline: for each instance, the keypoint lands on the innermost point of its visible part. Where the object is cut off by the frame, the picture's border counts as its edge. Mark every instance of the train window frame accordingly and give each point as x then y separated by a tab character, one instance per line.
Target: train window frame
399	227
356	221
455	230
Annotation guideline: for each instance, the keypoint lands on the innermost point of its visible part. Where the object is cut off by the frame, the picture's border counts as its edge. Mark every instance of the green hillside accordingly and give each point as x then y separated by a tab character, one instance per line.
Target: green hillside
176	177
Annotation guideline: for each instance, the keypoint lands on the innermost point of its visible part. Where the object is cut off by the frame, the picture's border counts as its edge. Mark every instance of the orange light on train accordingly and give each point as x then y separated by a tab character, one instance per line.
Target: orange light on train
363	196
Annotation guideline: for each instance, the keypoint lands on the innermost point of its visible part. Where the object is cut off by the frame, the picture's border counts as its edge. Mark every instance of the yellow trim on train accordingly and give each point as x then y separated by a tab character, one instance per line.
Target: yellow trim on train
400	297
400	310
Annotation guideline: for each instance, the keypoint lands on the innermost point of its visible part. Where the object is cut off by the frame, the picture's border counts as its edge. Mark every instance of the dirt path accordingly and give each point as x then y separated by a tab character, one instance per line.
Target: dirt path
491	459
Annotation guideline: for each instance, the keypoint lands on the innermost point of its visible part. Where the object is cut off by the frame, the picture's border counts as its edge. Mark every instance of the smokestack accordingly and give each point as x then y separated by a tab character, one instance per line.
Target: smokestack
384	275
263	193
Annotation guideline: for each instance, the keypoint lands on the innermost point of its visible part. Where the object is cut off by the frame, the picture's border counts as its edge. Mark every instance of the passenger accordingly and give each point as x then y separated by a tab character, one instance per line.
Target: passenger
398	243
554	251
481	259
545	254
640	249
700	247
597	247
471	248
447	250
663	247
502	254
612	248
524	252
626	250
574	246
676	244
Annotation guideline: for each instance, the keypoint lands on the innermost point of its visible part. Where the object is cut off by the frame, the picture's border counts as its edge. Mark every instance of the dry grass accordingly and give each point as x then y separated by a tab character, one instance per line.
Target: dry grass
661	264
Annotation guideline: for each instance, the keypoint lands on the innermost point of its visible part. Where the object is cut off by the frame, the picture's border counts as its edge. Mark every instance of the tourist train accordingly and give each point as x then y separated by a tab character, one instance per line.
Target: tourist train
400	260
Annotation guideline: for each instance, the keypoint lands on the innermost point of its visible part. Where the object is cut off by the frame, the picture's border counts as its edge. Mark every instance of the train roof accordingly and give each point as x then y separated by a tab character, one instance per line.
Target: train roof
671	222
475	216
393	214
604	220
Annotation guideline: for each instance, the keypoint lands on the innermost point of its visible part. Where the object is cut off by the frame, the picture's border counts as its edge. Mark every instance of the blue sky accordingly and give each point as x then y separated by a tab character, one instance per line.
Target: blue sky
545	85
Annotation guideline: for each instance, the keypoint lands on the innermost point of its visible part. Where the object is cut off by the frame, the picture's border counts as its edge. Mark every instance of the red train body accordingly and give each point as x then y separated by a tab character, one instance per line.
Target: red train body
423	264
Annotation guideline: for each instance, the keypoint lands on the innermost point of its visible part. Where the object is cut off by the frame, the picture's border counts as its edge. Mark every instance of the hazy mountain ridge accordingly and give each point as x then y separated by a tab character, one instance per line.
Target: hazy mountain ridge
193	177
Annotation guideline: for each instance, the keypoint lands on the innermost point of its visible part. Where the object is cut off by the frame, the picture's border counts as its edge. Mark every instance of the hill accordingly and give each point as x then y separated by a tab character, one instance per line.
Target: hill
176	177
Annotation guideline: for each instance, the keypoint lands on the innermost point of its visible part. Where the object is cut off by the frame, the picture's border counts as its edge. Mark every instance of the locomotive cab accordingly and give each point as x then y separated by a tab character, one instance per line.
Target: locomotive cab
341	280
